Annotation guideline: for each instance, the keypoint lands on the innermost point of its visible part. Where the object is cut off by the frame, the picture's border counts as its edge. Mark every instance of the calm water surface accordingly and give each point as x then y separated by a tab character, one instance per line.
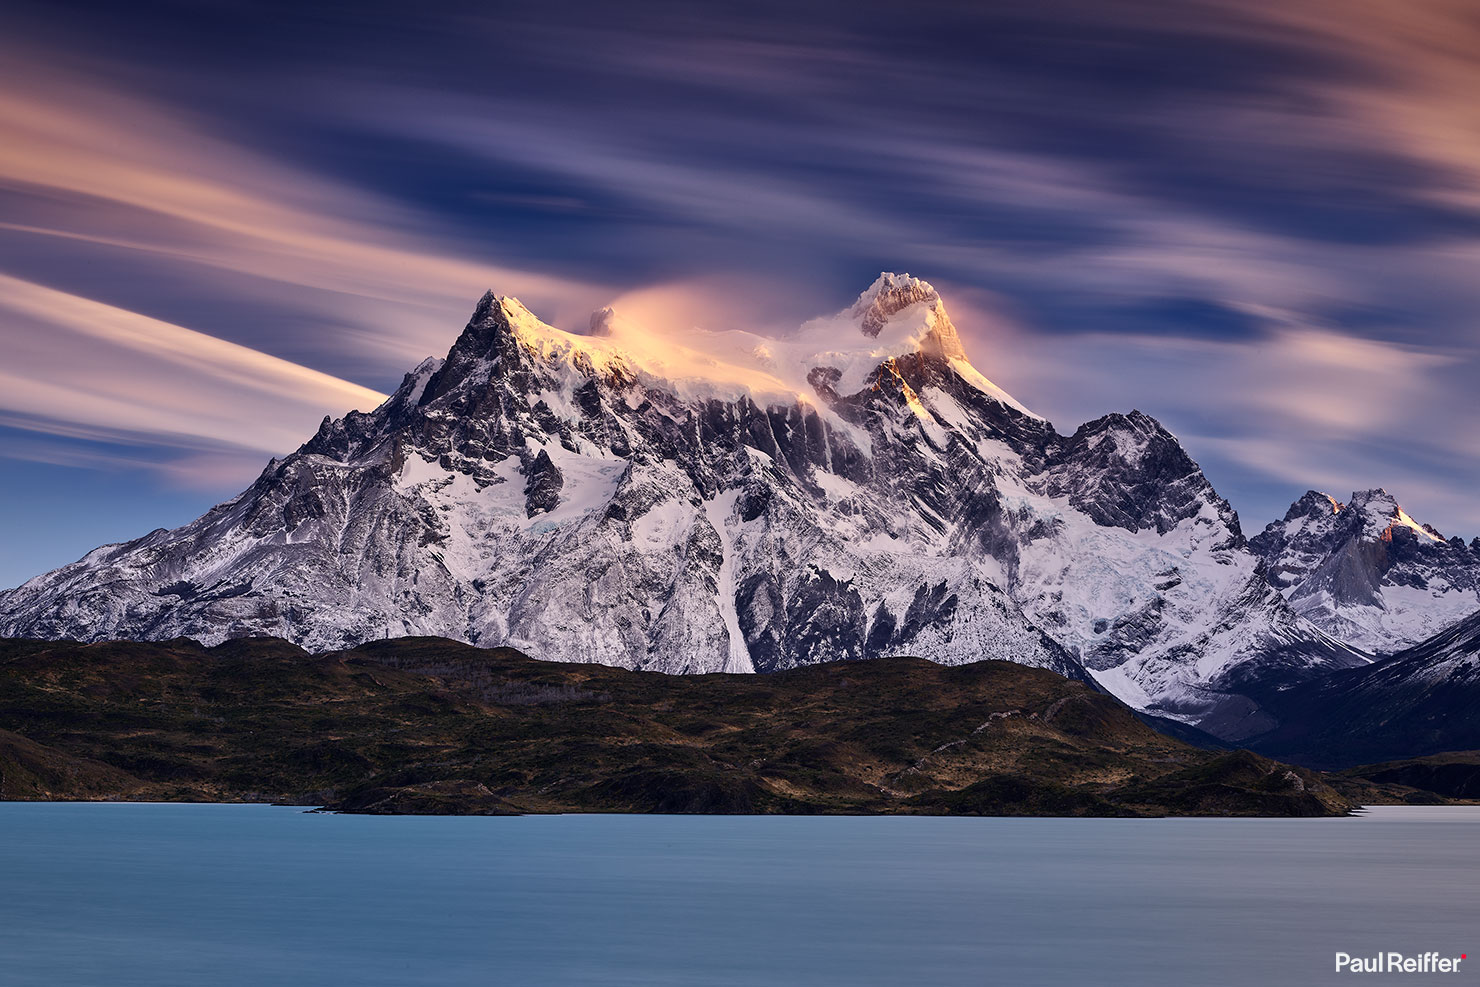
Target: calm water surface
161	895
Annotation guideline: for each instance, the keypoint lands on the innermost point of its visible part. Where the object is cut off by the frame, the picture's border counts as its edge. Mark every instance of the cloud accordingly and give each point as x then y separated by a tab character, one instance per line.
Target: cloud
209	470
1260	222
112	178
1417	91
102	167
1291	407
1262	185
80	369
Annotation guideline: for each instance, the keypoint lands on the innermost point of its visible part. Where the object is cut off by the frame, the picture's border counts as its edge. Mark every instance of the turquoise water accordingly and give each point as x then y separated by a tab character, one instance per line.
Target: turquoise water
159	895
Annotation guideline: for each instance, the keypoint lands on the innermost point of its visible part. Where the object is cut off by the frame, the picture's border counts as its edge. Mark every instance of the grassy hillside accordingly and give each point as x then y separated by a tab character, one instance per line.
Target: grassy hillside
427	725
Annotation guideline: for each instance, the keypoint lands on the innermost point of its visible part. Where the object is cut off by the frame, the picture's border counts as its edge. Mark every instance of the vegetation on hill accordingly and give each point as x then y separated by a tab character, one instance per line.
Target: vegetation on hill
428	725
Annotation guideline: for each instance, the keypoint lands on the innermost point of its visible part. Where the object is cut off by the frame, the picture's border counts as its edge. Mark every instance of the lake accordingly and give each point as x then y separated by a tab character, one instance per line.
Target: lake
223	895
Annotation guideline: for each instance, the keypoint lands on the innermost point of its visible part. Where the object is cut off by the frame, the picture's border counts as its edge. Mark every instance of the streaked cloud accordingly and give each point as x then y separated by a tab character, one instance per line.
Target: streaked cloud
1291	407
117	170
78	368
1259	222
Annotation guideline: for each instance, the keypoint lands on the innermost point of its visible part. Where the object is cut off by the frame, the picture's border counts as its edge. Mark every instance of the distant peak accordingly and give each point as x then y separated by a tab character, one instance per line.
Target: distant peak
898	316
488	306
500	308
1376	503
1314	503
495	318
1383	512
1374	494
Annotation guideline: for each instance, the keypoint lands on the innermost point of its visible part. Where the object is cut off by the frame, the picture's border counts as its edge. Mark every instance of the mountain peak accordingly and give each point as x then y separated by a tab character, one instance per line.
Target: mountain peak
1374	495
493	318
504	309
1314	503
889	294
897	316
1382	513
1366	572
893	294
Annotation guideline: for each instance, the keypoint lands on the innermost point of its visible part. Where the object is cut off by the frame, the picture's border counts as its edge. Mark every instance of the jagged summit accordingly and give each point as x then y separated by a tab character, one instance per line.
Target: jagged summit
601	321
1380	510
1367	572
723	501
891	294
896	317
1313	503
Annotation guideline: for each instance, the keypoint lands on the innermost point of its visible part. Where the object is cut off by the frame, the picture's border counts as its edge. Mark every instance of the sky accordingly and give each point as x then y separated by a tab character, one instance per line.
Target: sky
220	221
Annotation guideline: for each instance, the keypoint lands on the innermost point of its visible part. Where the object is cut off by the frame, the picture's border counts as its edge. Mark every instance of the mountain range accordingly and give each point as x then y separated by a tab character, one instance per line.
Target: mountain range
732	502
1367	573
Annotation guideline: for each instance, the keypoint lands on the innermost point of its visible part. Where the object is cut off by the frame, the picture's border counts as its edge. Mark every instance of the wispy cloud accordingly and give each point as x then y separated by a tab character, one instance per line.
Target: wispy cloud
1289	408
118	170
82	369
1260	222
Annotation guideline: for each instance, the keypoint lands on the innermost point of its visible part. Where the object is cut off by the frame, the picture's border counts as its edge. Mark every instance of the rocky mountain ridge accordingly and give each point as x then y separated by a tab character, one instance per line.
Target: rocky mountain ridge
1367	573
728	502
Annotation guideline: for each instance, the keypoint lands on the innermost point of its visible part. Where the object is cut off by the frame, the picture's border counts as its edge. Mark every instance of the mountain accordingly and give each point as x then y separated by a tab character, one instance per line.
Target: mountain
725	502
1418	702
1367	573
422	725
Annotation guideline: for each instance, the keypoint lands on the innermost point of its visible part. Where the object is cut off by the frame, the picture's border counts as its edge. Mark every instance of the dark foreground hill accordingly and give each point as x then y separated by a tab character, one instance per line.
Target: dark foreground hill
428	725
1454	775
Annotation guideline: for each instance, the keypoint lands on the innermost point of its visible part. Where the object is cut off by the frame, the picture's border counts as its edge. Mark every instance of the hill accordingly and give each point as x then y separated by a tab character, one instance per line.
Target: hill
428	725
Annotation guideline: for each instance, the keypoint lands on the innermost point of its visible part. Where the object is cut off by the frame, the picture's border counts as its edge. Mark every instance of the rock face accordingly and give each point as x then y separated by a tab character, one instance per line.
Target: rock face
740	503
1367	573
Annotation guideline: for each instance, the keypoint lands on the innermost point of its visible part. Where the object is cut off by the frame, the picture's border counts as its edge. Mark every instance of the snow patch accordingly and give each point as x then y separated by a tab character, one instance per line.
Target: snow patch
719	511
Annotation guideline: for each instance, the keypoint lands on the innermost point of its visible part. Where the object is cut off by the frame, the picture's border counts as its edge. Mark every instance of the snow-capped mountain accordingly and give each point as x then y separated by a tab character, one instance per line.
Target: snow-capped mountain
1367	573
725	502
1420	701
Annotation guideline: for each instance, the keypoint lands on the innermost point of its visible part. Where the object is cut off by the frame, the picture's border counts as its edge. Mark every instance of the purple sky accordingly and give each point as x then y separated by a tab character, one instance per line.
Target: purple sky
1260	223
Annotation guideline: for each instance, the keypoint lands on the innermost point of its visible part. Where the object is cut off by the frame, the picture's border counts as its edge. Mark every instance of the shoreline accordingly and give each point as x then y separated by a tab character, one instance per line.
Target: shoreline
1358	812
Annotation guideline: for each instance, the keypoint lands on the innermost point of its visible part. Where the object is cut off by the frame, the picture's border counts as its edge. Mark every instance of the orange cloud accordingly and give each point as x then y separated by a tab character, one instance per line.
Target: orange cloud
81	368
